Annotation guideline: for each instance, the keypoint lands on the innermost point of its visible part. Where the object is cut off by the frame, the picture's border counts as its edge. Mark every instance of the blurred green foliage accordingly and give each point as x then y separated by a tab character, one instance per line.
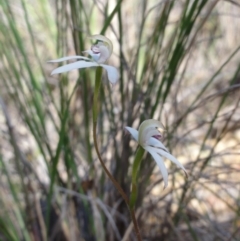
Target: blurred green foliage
178	63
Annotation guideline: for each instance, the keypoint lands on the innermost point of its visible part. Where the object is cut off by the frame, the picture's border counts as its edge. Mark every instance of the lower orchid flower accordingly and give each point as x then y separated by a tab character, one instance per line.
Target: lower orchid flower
148	136
99	53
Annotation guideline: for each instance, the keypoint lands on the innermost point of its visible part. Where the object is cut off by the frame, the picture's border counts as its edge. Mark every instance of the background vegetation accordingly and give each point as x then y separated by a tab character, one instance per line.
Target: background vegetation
179	63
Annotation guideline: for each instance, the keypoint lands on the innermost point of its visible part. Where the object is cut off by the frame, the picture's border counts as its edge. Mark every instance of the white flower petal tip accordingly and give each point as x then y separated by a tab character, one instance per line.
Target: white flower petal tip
133	132
149	137
112	73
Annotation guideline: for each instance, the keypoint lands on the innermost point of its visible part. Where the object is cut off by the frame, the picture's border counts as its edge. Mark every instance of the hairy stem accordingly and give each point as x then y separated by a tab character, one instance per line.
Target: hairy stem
116	184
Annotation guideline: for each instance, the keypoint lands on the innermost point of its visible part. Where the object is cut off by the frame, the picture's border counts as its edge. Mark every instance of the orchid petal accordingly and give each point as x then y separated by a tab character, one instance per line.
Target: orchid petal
92	54
170	157
155	143
104	54
160	164
68	58
148	134
148	125
112	73
133	132
75	65
103	39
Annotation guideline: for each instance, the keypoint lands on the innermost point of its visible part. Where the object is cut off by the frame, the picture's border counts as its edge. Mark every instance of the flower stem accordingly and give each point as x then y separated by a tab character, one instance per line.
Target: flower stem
135	170
95	115
96	93
118	187
124	196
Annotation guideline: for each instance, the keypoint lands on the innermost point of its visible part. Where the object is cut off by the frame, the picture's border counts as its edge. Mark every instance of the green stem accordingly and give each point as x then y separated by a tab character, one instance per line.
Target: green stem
96	93
95	115
118	187
135	170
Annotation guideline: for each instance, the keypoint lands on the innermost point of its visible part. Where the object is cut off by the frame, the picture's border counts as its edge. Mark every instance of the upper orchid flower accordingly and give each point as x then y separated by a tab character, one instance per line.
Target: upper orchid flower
100	53
149	137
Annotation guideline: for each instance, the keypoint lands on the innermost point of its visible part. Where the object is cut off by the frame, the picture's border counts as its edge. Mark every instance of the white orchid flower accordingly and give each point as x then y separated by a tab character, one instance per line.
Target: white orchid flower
100	53
148	136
